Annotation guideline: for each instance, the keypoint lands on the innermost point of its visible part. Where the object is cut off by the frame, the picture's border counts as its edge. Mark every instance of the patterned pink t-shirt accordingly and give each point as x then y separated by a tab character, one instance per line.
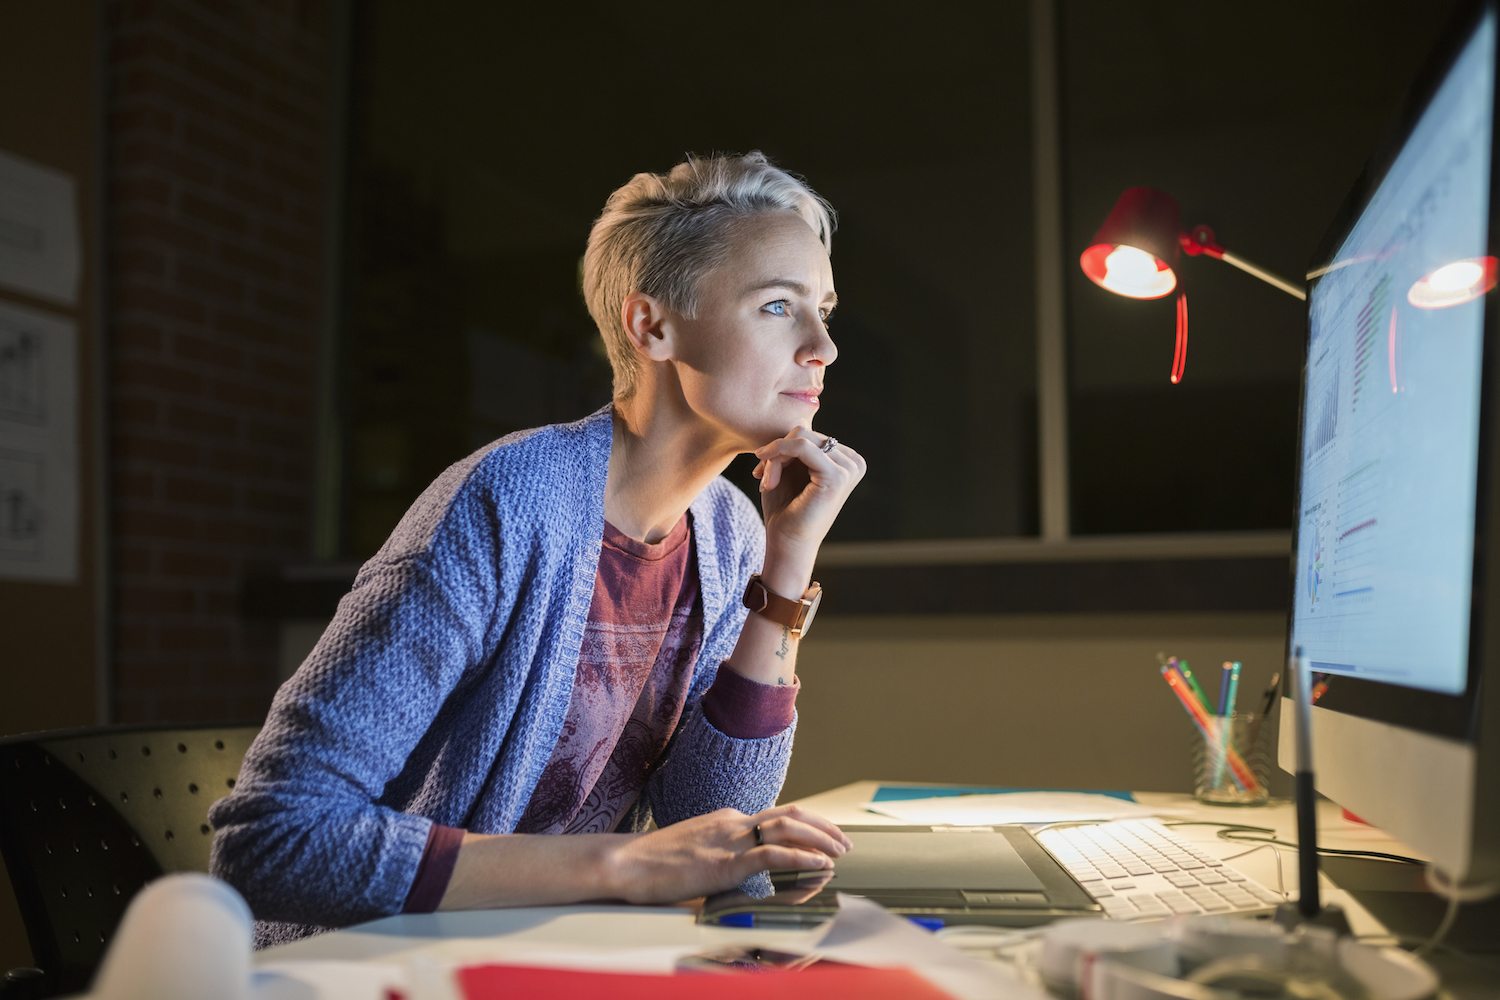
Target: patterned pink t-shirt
634	670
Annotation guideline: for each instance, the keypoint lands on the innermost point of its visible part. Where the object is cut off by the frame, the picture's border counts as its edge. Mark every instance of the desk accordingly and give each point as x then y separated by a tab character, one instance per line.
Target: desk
500	935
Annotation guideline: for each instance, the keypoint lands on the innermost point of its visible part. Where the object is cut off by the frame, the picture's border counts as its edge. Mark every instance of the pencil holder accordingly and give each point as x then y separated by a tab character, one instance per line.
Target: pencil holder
1230	763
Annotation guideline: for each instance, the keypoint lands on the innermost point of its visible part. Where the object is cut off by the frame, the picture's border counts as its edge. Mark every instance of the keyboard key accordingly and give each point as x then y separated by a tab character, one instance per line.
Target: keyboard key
1181	904
1210	878
1181	879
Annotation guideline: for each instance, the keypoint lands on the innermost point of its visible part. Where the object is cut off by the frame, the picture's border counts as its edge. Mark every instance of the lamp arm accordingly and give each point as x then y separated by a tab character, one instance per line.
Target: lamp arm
1263	275
1201	241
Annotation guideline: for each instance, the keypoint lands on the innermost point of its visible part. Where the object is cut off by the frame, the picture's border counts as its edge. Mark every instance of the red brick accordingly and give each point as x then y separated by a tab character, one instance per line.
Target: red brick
144	119
151	224
170	378
251	328
156	451
209	282
212	212
134	559
226	75
208	638
255	196
135	411
202	420
153	601
197	491
250	261
140	261
196	564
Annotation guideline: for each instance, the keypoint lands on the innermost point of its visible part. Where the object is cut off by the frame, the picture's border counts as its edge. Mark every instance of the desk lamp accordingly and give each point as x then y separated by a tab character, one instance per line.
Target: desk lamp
1136	252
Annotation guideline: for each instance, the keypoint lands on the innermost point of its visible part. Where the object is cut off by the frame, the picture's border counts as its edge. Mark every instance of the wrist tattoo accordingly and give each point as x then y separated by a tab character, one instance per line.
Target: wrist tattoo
786	645
781	681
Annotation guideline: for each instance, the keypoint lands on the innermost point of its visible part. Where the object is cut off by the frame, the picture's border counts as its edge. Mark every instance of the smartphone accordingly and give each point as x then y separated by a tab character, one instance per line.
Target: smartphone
749	960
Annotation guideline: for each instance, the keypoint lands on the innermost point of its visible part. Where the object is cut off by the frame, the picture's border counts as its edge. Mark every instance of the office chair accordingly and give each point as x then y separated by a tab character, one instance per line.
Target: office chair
88	817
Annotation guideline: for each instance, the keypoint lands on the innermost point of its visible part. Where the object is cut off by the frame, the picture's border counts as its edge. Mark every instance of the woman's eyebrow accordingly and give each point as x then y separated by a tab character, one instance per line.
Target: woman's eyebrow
791	284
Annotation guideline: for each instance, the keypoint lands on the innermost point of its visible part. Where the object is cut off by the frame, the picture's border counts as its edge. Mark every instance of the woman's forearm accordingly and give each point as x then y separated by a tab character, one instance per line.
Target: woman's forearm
691	858
518	869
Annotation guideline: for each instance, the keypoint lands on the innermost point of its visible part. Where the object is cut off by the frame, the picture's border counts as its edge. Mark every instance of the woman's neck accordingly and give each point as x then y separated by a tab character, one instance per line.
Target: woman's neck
659	462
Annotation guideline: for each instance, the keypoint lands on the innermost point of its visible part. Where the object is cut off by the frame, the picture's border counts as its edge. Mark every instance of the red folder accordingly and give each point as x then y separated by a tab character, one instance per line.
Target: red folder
508	982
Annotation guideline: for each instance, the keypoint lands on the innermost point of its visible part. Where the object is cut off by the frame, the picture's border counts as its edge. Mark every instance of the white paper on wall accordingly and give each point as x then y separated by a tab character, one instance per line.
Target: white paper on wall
38	446
39	242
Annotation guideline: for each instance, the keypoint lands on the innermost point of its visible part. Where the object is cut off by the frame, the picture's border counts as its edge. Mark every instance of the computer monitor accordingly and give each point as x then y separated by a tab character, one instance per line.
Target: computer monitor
1396	565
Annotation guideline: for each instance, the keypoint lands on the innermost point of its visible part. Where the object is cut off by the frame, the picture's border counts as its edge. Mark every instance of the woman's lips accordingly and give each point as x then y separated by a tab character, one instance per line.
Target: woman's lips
808	396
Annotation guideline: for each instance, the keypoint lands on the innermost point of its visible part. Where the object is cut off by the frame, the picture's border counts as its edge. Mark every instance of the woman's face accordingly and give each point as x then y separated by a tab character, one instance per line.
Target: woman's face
752	362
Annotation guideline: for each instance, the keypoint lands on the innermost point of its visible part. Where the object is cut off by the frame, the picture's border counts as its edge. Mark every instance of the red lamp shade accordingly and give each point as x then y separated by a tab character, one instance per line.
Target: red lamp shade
1136	250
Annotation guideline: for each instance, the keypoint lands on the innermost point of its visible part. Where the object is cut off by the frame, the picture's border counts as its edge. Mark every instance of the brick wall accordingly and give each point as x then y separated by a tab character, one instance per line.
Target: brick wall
218	125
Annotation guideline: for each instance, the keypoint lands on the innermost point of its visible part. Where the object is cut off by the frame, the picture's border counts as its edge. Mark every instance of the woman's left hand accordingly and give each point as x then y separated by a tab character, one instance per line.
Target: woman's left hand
803	485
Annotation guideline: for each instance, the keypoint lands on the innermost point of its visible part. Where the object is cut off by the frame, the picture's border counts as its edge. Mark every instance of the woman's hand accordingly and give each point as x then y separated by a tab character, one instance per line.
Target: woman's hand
712	853
802	489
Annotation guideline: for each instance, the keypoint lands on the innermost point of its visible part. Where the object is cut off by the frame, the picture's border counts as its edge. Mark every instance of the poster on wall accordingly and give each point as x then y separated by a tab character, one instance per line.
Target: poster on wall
39	242
38	446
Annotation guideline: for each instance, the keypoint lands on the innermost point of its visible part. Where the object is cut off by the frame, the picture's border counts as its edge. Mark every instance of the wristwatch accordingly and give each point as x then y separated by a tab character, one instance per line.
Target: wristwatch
796	615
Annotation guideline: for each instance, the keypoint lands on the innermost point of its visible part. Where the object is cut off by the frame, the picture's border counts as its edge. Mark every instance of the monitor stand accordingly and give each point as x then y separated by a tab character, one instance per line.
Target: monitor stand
1396	895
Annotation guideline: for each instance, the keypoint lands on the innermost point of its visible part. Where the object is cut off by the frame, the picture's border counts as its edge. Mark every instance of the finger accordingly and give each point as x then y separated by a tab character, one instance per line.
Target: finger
795	833
806	451
805	816
778	858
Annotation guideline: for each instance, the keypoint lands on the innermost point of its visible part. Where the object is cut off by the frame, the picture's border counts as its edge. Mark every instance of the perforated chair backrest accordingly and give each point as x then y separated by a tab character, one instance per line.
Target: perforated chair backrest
87	817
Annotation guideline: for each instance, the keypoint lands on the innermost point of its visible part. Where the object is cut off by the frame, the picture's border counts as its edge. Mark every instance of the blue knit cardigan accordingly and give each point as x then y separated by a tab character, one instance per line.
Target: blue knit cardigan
439	689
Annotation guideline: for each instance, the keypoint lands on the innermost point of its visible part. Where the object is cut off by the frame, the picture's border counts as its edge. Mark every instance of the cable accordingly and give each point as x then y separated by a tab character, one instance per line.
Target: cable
1241	833
1442	928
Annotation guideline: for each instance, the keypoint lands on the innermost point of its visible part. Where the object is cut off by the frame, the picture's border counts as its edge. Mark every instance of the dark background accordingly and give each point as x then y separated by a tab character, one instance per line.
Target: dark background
338	248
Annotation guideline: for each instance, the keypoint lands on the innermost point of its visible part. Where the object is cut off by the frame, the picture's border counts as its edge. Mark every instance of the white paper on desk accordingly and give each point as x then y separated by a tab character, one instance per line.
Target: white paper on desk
1014	807
316	980
865	933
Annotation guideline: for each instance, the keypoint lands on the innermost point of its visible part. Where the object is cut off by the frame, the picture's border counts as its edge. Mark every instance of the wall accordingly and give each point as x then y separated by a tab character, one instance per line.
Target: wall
1065	701
219	118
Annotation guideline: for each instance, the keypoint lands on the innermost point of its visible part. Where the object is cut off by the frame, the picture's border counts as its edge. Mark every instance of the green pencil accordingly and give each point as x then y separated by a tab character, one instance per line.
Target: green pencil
1187	675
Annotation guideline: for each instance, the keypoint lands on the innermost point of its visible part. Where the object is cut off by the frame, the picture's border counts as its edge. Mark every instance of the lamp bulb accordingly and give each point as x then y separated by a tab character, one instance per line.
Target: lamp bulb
1135	272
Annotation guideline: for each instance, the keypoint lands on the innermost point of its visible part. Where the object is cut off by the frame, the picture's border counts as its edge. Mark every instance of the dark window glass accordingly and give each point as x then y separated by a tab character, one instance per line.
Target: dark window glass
485	138
1257	121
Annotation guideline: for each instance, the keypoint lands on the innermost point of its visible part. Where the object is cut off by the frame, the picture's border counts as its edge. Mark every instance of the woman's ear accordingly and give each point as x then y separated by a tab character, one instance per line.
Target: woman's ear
647	325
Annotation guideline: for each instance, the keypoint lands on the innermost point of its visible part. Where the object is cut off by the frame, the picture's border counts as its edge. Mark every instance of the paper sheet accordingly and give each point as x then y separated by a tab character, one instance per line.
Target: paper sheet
39	243
866	933
1013	807
38	446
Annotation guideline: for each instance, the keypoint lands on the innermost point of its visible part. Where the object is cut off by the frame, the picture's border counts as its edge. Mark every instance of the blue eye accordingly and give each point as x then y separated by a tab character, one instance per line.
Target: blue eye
777	308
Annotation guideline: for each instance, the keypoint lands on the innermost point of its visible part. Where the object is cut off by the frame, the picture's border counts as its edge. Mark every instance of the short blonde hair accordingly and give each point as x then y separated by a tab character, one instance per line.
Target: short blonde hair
660	234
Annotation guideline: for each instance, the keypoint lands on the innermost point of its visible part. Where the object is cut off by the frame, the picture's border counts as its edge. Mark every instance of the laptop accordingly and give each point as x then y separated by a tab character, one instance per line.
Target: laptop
991	875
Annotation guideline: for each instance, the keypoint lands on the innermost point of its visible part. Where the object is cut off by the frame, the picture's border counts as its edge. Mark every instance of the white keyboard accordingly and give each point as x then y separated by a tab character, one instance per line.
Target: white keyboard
1137	869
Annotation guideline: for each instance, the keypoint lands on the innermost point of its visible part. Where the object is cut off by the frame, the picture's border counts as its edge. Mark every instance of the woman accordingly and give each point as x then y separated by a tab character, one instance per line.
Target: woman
555	637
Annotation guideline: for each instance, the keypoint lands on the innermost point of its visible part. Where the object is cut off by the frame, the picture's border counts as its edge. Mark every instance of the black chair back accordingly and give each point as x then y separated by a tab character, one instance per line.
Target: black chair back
89	816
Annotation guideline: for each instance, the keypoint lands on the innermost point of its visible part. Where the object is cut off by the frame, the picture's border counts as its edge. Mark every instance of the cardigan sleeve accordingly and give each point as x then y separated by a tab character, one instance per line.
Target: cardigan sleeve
302	836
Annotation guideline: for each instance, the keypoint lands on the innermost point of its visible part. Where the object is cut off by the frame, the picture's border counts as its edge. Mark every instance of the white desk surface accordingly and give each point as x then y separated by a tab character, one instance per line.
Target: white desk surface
498	935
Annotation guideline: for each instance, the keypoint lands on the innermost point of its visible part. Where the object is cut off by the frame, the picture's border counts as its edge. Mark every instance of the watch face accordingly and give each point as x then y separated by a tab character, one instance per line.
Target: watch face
810	611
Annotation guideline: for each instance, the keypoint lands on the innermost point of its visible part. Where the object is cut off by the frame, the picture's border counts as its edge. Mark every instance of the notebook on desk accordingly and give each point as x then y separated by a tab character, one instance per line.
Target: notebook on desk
977	875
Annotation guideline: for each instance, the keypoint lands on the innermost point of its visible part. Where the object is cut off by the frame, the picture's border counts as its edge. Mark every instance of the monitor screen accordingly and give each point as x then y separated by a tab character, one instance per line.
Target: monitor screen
1391	410
1395	601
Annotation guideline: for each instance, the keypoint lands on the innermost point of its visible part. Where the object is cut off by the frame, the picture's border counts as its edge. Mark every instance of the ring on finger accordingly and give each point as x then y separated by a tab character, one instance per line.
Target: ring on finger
759	837
829	443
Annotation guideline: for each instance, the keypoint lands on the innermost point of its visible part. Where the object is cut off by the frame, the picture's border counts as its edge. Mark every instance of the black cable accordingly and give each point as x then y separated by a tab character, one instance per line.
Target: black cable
1240	833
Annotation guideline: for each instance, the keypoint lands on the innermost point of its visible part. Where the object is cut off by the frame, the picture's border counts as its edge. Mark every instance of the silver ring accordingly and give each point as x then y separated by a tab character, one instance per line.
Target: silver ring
760	840
829	443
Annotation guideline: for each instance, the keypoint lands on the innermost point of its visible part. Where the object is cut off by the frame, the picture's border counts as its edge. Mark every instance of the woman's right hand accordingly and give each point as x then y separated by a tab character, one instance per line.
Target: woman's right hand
718	851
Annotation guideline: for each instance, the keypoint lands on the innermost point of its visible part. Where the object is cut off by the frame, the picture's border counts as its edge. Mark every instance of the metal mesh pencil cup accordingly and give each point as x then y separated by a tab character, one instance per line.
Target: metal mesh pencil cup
1231	766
